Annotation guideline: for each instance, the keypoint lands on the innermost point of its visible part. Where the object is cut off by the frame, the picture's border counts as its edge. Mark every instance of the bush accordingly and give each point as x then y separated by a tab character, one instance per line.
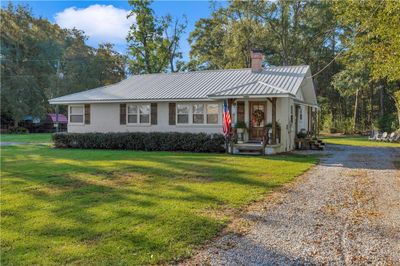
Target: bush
241	124
301	135
154	141
17	130
269	125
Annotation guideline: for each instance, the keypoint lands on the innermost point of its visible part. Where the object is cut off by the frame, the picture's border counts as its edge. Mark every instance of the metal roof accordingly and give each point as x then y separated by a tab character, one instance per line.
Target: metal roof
250	89
197	85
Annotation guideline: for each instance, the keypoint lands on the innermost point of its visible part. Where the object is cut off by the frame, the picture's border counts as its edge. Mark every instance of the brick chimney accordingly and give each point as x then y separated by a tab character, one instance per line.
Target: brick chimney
256	60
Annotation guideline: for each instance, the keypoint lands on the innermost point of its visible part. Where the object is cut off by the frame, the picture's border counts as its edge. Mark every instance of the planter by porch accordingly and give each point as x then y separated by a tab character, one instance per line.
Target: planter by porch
272	149
240	129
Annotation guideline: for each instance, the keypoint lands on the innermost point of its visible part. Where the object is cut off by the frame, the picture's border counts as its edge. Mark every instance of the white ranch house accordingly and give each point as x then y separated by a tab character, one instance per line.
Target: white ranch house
193	102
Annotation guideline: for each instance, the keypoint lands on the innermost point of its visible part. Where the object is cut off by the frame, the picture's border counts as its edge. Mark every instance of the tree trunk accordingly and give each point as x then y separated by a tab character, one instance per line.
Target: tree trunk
381	107
396	98
355	111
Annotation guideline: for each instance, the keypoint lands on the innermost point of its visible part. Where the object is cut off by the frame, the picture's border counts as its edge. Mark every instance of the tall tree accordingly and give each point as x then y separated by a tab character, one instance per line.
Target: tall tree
145	39
39	60
153	42
173	30
371	34
109	65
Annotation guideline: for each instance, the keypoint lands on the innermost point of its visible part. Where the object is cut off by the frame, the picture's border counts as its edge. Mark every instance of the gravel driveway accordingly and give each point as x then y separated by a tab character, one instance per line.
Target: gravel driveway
345	211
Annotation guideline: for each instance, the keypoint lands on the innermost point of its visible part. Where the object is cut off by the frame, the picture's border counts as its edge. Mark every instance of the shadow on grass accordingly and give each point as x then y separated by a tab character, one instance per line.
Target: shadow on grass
151	201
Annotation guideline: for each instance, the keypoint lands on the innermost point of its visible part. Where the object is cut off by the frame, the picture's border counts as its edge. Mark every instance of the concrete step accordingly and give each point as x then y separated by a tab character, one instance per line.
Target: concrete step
247	148
249	153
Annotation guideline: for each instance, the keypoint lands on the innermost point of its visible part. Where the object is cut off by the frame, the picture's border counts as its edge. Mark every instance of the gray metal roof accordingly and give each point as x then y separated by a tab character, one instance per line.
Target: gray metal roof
196	85
250	89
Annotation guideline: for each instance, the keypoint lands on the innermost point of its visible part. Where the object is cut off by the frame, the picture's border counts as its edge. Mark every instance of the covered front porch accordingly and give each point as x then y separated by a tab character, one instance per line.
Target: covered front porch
255	126
268	125
267	119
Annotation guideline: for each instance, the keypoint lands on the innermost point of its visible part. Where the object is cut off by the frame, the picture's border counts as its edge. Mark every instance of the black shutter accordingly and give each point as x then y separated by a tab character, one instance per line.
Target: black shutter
153	113
87	114
122	114
172	113
240	111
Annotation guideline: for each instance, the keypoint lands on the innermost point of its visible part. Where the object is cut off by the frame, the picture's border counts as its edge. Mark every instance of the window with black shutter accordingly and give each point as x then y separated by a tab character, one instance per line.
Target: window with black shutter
153	113
122	114
87	114
172	114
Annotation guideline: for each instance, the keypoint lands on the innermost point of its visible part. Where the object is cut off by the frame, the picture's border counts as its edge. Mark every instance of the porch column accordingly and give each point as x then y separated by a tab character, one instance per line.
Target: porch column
273	101
308	119
296	125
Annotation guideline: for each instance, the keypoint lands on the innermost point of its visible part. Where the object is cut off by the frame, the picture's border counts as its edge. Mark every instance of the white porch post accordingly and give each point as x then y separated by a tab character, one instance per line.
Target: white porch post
246	119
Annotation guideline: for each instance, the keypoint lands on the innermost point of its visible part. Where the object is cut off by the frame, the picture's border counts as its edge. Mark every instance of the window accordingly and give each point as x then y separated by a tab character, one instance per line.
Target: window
301	113
132	114
144	113
182	113
198	113
212	113
76	113
138	113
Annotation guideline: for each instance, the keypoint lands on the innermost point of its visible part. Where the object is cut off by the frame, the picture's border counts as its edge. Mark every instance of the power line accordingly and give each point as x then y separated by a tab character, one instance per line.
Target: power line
342	50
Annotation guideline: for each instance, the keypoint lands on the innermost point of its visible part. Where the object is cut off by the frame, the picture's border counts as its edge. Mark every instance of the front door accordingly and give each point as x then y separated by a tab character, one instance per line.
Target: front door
257	120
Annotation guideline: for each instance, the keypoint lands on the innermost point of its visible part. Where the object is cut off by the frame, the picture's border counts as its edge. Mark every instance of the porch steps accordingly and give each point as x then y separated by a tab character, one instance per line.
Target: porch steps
249	149
312	144
318	144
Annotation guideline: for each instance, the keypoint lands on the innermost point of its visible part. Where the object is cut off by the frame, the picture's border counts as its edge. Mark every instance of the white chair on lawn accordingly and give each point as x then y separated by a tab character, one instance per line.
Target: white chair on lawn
390	137
383	137
396	138
374	136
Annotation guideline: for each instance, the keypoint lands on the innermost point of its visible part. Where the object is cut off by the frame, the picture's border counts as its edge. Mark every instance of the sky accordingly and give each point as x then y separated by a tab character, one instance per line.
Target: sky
105	21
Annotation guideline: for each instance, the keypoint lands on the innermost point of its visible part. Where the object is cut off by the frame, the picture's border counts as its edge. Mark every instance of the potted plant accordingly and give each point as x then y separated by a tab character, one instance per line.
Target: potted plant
278	130
269	125
240	128
301	135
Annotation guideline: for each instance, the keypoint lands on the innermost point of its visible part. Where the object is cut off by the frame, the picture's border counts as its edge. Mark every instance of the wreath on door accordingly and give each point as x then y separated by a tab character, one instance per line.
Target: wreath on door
258	116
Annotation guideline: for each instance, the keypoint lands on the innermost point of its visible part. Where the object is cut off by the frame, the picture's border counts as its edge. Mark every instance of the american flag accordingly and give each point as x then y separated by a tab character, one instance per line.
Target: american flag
227	119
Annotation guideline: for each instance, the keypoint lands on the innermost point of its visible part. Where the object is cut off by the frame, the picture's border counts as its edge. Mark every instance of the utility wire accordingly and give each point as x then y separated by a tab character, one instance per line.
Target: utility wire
343	49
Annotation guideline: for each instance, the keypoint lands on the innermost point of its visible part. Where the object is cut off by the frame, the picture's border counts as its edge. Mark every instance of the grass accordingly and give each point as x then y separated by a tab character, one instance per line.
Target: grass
31	137
358	141
102	207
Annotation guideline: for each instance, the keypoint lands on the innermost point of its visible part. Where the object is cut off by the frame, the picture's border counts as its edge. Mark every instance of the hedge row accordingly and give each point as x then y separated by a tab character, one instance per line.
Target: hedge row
155	141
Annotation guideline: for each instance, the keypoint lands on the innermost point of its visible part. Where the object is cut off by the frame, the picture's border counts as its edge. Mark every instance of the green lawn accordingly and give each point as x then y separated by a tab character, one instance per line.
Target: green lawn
102	207
32	137
357	141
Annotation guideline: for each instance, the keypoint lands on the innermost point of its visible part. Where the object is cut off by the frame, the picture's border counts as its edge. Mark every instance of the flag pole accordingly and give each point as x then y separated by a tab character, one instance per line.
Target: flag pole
226	124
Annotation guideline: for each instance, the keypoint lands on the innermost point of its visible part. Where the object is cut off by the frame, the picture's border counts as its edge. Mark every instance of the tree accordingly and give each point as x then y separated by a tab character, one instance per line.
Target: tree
207	51
351	82
153	42
375	31
39	61
109	65
173	30
371	32
147	50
